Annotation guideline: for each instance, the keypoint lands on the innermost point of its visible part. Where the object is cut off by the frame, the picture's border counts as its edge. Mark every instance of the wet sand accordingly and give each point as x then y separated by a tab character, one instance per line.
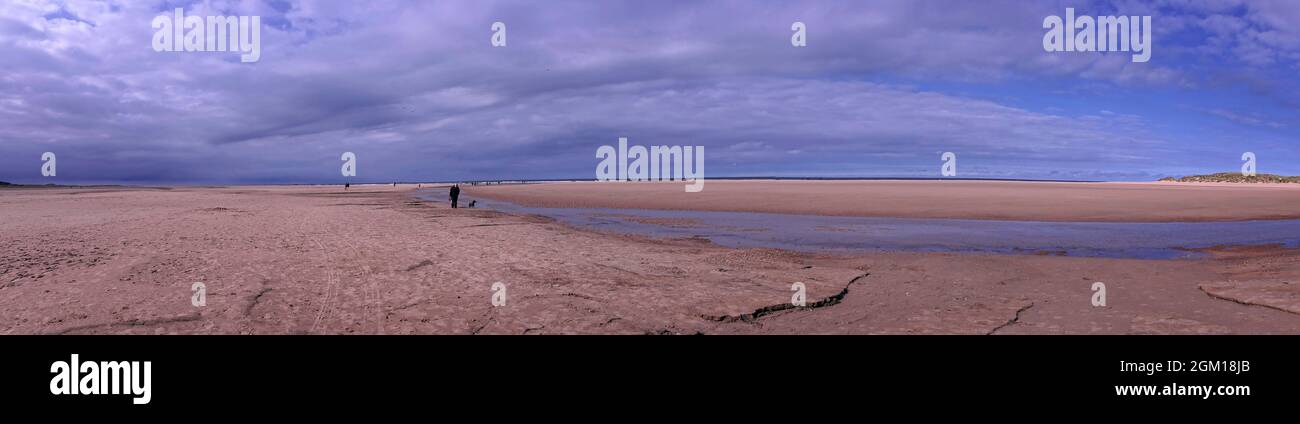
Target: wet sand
373	260
1000	200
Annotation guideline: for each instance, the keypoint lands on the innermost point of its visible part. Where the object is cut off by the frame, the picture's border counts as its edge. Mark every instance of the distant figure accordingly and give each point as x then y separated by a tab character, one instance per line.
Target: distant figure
471	203
346	185
394	184
455	194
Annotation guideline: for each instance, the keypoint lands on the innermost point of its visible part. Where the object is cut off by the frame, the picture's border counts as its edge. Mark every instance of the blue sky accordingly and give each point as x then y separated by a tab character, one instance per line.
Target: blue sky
416	90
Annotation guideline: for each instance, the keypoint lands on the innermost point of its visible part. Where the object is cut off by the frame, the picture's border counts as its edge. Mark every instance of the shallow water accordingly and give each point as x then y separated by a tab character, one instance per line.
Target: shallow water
810	233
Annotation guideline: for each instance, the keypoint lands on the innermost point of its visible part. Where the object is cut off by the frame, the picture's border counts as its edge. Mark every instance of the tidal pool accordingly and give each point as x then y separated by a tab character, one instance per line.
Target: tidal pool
813	233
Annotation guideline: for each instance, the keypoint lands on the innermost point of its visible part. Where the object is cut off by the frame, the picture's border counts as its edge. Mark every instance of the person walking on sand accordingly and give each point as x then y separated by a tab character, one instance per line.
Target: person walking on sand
455	194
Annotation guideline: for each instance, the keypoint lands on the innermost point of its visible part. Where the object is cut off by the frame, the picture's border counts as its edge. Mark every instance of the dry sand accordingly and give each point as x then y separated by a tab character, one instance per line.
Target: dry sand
371	260
1003	200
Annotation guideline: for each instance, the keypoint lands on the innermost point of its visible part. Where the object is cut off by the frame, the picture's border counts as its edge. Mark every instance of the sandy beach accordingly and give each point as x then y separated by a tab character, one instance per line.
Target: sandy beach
1000	200
375	260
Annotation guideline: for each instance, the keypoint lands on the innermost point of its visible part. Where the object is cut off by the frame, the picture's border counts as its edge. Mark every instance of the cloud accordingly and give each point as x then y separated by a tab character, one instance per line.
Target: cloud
417	91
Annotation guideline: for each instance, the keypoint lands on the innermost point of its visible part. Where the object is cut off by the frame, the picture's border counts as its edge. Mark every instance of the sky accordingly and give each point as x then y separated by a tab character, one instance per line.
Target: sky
419	93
